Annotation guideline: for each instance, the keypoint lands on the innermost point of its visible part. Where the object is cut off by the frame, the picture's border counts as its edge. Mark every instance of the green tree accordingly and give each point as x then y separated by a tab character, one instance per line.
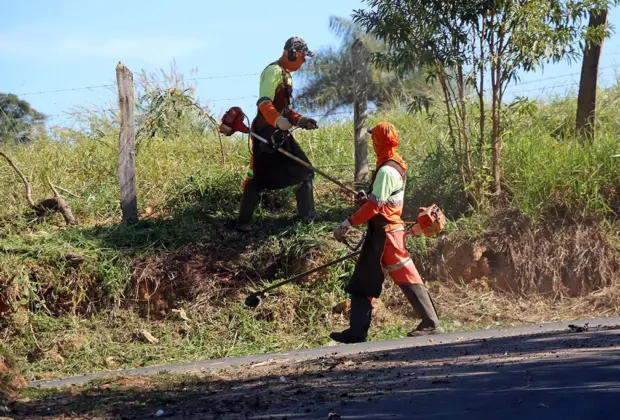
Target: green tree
19	122
328	76
484	44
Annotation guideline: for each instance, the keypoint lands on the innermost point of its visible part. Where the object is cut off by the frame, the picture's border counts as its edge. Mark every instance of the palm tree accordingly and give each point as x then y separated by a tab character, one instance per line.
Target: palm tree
328	77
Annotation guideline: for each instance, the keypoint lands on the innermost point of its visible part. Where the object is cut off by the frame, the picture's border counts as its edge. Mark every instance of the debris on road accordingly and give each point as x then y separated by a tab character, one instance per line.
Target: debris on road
578	328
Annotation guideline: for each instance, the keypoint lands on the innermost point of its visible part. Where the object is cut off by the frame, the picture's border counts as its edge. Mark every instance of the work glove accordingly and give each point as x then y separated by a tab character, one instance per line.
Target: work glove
361	198
307	123
341	230
283	124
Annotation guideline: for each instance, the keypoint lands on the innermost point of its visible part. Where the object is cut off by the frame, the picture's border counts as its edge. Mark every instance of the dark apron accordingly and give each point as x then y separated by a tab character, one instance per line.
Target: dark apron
368	276
272	169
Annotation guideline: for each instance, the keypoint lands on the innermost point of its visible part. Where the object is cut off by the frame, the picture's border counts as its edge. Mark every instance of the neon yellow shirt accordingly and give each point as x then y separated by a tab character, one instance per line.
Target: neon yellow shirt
270	79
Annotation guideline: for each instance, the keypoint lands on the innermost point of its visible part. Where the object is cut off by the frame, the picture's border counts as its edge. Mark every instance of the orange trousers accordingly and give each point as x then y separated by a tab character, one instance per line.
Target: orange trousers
396	260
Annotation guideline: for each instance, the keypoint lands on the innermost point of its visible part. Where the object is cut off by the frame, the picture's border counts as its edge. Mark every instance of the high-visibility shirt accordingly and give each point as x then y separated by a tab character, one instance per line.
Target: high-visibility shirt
273	78
274	95
387	197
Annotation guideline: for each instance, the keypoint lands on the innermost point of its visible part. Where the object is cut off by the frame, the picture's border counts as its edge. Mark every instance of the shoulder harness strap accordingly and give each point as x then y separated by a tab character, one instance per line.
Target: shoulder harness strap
401	172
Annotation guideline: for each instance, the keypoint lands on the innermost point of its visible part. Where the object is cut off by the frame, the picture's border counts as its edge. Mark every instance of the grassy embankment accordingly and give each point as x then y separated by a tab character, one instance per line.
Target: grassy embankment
83	294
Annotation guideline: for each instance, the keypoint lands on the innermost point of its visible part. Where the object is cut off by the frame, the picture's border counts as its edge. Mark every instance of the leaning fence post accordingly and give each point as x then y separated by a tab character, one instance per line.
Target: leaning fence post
126	168
360	110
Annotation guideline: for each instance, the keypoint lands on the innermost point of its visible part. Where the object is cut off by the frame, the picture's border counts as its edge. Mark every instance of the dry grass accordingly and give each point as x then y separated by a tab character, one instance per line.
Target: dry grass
556	257
477	304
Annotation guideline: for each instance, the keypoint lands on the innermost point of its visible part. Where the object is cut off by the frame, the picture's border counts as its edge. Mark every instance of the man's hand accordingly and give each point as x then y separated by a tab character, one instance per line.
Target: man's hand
283	124
307	123
361	198
341	230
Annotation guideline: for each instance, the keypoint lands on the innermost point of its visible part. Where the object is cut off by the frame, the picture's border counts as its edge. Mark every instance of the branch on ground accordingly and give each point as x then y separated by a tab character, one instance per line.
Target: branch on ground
49	205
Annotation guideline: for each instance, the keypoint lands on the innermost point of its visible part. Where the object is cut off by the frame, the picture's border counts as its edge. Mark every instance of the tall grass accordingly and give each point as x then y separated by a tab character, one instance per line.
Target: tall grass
186	193
545	169
541	170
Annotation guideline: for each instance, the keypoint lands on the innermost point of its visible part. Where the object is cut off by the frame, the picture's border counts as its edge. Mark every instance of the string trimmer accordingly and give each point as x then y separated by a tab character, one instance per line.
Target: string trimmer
232	121
254	299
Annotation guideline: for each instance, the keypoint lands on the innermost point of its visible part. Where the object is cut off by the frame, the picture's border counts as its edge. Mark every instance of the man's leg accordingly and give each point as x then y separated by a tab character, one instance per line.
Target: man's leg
249	201
398	263
359	321
365	285
421	301
304	195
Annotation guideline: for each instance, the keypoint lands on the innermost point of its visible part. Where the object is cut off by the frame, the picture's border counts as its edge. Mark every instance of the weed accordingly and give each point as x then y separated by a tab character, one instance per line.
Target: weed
90	289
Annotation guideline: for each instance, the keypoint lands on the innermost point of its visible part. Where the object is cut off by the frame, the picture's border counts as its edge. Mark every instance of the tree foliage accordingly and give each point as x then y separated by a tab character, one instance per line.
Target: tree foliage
328	77
19	122
480	44
166	106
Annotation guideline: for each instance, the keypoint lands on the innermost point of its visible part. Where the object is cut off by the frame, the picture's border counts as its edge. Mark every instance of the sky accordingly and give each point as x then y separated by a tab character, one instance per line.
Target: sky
68	44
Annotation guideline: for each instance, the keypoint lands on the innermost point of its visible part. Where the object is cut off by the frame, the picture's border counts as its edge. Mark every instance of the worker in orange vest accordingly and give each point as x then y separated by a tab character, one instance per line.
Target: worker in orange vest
384	249
268	168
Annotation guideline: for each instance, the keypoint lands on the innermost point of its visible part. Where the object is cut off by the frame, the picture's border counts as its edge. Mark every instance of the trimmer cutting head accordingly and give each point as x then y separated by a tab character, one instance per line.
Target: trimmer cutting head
253	300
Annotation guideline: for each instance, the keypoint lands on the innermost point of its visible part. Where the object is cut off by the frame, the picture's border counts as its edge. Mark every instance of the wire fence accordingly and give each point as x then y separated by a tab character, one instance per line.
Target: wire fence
516	88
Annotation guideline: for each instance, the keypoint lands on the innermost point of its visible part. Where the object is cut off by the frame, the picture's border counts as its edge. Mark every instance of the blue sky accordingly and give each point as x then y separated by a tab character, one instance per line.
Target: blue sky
50	45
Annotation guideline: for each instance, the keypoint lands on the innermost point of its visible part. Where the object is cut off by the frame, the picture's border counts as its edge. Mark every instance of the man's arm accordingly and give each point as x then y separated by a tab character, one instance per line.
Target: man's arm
270	79
383	187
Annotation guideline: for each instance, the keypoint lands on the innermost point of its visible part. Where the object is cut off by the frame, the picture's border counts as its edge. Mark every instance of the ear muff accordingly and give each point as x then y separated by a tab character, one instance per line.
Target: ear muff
292	55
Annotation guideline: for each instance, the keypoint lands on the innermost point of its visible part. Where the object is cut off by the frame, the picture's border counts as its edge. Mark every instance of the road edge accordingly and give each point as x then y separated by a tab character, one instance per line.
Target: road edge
203	366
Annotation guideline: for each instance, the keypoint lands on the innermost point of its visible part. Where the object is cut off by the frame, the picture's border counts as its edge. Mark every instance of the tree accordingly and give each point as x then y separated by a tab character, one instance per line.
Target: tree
19	122
328	76
586	99
465	43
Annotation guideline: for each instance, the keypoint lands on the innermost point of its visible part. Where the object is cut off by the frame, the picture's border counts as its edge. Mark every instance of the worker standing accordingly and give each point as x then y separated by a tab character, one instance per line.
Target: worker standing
269	169
384	248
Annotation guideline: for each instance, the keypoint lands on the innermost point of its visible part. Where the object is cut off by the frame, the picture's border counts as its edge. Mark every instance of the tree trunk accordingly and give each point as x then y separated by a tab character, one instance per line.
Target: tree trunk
450	112
481	150
495	108
463	106
360	110
586	101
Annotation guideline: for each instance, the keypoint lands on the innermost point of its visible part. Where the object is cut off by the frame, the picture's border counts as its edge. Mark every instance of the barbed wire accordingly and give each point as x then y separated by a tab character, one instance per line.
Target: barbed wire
529	82
339	113
223	77
65	90
325	115
232	76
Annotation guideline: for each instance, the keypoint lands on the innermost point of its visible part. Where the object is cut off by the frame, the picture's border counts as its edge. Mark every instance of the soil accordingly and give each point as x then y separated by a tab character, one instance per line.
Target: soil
10	382
567	258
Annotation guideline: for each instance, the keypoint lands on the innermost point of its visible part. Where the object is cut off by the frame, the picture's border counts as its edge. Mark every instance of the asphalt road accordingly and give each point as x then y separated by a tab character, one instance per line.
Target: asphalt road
546	371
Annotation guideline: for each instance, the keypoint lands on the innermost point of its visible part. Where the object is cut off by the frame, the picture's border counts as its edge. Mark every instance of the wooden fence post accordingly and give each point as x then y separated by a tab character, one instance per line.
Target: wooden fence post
126	168
360	110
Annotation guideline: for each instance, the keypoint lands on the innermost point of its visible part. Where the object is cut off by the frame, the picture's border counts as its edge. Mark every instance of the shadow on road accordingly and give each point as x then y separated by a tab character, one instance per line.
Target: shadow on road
551	375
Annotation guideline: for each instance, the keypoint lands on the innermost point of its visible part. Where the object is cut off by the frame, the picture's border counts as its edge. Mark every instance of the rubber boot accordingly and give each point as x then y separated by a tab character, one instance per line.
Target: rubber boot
249	201
304	195
421	302
359	322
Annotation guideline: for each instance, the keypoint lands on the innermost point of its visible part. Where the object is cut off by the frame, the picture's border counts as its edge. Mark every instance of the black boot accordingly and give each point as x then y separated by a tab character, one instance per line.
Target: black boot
304	195
421	301
359	321
249	201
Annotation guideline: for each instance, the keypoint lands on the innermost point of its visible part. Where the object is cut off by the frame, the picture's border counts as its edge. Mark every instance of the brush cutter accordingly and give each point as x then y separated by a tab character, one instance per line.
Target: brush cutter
254	299
232	121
